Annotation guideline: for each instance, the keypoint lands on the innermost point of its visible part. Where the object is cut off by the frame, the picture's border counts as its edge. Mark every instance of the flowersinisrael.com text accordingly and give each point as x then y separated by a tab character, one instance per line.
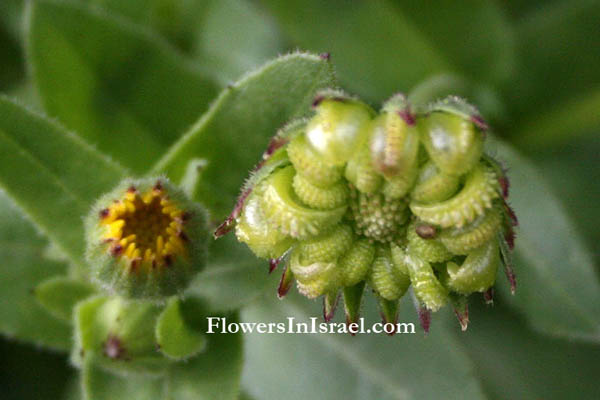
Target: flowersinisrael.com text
220	325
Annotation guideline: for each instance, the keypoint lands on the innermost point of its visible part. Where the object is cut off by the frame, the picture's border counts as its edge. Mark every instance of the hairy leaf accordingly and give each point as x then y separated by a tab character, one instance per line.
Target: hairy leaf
51	174
214	374
99	384
236	36
381	47
558	290
232	135
174	336
375	366
59	295
23	267
514	362
118	85
557	47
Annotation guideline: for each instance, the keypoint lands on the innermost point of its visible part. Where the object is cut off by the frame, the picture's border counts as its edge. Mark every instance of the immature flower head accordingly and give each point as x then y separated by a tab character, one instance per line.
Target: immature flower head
146	239
391	200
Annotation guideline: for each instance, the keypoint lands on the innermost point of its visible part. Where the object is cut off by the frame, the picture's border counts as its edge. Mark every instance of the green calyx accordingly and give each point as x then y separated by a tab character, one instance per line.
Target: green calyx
146	239
119	335
131	336
392	200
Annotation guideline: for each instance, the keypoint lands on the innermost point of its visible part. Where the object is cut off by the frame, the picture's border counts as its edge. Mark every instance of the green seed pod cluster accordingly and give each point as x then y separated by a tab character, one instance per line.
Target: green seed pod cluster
146	239
405	197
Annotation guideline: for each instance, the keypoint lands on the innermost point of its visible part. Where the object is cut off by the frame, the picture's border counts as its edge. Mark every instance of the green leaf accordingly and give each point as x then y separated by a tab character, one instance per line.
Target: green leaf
374	366
515	362
212	375
23	267
51	174
99	384
59	295
576	181
11	15
174	336
236	36
225	38
558	291
175	20
74	389
12	67
29	372
382	47
232	135
245	396
475	36
562	123
25	93
557	47
555	95
118	85
233	277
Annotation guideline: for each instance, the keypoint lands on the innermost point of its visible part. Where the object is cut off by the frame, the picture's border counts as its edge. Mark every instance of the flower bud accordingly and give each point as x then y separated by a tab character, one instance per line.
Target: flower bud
252	228
146	239
389	282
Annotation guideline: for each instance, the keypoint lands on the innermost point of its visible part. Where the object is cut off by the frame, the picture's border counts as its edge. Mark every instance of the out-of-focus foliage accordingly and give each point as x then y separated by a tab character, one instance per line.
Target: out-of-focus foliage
135	80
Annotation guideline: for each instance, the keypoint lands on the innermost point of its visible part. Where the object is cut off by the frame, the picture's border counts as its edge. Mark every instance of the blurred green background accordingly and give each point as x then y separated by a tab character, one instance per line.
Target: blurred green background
531	66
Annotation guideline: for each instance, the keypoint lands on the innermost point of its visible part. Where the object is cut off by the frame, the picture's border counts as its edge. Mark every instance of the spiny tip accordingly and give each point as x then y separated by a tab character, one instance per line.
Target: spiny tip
488	296
424	319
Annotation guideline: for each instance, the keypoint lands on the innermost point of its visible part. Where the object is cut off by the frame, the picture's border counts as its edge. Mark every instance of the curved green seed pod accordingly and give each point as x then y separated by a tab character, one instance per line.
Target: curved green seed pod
328	246
360	172
430	250
317	197
285	211
458	106
398	186
311	165
454	143
477	273
425	283
480	188
398	254
314	279
338	126
471	236
394	142
356	262
433	186
387	281
253	229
